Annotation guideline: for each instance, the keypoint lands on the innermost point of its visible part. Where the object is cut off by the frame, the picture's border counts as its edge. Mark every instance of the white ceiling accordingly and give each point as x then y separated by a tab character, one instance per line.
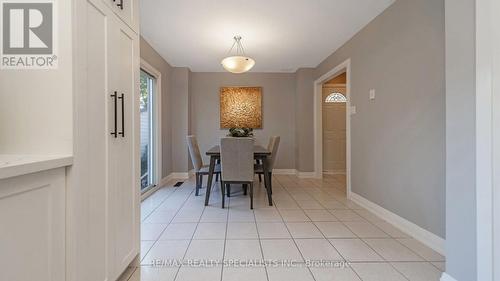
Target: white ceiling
281	35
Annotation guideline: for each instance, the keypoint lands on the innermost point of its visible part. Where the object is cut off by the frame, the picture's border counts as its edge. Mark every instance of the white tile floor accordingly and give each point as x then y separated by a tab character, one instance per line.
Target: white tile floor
312	228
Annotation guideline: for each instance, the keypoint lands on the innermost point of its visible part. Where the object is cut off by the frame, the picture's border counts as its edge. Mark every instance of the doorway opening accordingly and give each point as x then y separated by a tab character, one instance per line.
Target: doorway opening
332	123
334	106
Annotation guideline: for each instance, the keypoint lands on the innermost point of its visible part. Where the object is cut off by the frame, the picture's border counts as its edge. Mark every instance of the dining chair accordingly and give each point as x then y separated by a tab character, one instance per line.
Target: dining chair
199	169
273	145
237	164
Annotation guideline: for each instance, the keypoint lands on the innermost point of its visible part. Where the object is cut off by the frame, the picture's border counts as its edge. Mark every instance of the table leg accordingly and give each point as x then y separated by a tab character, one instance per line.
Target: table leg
267	181
211	169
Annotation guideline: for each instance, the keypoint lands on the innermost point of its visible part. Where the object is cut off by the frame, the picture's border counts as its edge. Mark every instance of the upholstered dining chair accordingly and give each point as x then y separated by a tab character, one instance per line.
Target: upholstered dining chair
273	145
237	165
199	169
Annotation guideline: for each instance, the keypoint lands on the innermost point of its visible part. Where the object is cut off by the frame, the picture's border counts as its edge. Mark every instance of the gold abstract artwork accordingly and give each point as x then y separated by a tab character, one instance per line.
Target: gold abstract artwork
241	107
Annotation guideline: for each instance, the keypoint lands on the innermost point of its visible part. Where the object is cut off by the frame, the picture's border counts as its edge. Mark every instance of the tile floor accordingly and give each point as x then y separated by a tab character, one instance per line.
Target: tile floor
311	233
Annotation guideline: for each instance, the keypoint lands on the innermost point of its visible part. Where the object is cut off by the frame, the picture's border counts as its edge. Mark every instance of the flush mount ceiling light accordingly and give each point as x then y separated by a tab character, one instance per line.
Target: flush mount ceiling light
239	63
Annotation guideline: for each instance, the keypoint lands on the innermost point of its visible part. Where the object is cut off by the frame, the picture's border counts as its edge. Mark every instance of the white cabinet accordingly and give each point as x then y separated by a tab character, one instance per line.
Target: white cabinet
127	11
79	223
122	181
32	226
104	191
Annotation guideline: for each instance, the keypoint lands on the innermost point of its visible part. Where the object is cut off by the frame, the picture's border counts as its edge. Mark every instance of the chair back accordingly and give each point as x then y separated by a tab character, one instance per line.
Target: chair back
194	152
236	156
273	145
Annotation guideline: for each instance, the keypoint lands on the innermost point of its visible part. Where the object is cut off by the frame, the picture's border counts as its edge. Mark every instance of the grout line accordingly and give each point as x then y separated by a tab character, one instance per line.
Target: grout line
301	238
287	186
225	236
340	254
159	204
433	264
133	272
167	224
260	245
192	235
397	270
176	213
386	261
358	237
297	246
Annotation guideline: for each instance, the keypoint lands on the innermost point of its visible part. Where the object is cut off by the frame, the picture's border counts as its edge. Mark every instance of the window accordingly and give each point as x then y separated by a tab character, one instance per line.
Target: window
335	97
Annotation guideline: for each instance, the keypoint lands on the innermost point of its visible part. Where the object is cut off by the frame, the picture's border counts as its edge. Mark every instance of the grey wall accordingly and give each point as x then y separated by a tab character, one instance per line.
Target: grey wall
149	55
460	140
278	109
398	139
304	118
179	114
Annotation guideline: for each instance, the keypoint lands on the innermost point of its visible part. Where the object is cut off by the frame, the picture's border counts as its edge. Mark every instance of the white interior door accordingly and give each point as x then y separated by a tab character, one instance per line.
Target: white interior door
334	130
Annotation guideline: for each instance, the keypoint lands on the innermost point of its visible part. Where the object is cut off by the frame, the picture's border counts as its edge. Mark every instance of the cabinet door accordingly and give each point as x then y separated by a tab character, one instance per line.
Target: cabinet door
103	197
88	194
127	11
123	178
32	227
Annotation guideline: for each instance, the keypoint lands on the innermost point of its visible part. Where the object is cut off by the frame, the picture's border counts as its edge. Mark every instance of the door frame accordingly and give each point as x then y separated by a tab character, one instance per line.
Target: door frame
318	120
487	140
157	127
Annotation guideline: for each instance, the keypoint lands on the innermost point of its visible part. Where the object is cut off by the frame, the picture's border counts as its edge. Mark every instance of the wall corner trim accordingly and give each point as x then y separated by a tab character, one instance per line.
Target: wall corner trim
446	277
429	239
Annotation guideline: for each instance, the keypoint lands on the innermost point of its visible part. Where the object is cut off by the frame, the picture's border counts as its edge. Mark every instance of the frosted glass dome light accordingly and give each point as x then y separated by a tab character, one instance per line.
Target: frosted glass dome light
240	63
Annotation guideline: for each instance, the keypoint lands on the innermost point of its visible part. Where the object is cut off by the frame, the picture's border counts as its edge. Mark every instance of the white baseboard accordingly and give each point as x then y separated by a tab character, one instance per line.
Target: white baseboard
306	175
335	172
446	277
275	171
183	176
284	171
294	172
429	239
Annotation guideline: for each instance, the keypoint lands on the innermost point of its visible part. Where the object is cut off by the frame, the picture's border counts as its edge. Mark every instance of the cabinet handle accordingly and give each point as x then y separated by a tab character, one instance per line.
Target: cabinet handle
122	98
120	5
114	96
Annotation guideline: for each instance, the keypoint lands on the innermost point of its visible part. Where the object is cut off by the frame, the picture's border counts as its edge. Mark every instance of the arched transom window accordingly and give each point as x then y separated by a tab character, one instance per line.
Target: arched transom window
335	97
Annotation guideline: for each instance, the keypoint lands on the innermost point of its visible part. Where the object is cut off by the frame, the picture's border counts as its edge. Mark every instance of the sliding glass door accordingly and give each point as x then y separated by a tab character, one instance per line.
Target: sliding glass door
147	100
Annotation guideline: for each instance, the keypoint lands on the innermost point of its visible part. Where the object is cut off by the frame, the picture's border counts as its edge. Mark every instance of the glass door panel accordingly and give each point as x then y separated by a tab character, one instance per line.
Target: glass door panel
147	130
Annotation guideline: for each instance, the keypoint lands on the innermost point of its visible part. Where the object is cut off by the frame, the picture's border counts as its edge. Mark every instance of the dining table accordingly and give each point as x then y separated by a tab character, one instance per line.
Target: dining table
260	153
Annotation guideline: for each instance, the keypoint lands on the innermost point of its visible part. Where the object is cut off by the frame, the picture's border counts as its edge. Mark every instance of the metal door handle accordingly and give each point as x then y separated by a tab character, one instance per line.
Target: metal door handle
114	96
122	98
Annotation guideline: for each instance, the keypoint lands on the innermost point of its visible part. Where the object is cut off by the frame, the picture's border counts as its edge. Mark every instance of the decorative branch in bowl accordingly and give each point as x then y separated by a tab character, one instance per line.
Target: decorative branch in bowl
240	132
